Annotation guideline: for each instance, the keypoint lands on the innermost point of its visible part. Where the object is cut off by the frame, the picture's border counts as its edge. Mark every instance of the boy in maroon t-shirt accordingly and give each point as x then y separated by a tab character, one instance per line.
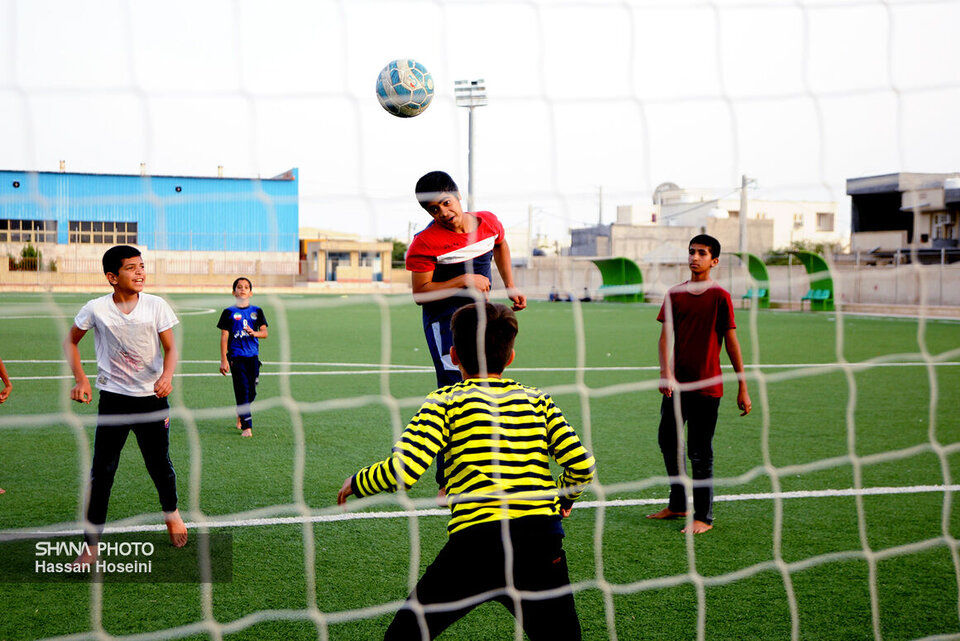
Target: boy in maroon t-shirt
697	318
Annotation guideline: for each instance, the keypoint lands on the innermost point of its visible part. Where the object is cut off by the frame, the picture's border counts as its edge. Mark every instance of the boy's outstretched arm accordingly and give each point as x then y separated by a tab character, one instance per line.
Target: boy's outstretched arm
164	384
419	444
501	256
736	359
81	392
7	385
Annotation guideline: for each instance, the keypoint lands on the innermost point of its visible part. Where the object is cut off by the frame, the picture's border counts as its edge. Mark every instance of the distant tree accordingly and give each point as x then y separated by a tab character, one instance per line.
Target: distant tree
399	251
31	259
781	256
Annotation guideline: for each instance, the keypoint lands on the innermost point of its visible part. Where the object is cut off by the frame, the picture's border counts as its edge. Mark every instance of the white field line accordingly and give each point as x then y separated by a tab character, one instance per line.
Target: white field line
18	534
377	369
193	312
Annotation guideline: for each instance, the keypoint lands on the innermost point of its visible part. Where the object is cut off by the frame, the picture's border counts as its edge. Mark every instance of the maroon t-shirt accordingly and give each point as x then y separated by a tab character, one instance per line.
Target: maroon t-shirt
699	324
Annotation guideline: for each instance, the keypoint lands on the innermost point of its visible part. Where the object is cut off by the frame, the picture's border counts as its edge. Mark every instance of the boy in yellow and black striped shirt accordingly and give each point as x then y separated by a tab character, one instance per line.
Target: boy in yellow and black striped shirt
506	507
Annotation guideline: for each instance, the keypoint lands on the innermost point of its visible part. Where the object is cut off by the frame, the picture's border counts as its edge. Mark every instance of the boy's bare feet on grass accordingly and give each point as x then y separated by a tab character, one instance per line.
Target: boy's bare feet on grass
176	528
247	433
698	527
667	513
89	556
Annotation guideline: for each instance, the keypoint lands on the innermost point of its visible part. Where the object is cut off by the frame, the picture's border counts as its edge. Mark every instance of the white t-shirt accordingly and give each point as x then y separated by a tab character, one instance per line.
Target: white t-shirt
129	354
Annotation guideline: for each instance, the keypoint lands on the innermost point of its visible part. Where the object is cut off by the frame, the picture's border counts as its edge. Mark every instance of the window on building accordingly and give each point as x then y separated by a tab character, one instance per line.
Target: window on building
798	220
28	231
824	221
103	232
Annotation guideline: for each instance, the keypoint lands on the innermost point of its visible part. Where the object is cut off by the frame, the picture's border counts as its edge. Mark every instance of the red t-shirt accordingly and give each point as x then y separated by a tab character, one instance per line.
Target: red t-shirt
449	254
699	324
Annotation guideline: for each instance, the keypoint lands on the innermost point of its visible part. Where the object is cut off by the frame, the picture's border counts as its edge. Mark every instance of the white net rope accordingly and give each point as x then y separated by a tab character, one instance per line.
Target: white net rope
663	76
310	518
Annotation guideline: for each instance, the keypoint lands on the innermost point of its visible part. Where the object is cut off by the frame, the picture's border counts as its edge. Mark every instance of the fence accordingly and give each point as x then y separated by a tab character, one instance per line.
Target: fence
182	270
895	283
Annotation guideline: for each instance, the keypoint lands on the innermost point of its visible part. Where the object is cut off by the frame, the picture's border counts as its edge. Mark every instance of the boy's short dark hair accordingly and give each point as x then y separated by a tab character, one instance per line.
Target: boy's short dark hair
113	258
237	282
500	332
431	185
709	241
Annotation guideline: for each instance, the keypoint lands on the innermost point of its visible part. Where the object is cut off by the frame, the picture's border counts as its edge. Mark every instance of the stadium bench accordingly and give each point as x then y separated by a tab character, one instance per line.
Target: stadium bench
819	299
760	294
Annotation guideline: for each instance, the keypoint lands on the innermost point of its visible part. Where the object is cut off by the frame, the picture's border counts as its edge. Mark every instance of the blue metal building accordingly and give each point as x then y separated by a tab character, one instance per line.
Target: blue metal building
179	213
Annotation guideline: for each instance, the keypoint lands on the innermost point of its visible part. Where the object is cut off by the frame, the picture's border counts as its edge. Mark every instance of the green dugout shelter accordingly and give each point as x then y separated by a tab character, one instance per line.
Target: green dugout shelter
821	289
622	280
760	291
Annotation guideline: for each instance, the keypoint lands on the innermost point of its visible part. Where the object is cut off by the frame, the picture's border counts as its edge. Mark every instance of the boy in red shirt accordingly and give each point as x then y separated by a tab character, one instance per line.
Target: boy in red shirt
451	256
697	318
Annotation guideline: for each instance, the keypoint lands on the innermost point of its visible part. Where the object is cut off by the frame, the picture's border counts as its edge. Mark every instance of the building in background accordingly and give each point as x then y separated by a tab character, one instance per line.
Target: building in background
330	256
192	229
659	232
904	212
157	213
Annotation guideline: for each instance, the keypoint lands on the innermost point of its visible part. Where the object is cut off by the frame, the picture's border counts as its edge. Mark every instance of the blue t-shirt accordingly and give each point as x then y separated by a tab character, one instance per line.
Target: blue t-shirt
233	320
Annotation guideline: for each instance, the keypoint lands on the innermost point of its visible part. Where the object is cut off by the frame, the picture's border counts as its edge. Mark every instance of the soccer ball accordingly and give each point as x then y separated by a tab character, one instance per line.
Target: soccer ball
405	88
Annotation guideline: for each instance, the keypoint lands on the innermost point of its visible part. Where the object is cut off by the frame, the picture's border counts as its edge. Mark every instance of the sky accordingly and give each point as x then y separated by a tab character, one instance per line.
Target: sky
592	104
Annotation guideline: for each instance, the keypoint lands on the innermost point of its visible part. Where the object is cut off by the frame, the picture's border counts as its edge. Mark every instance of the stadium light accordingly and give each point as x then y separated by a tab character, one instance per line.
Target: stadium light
470	94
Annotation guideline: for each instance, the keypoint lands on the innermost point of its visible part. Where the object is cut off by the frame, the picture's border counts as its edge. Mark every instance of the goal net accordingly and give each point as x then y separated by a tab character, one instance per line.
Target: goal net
833	497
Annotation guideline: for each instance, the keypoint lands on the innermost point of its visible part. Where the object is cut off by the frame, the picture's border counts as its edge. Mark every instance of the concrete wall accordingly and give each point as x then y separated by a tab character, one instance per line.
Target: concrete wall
931	285
166	269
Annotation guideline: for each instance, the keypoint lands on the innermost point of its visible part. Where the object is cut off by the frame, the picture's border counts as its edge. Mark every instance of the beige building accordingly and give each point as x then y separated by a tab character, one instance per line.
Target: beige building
328	256
771	224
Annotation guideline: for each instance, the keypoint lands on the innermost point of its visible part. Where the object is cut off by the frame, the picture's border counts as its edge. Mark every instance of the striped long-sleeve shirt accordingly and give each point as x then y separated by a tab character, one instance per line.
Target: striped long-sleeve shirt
501	437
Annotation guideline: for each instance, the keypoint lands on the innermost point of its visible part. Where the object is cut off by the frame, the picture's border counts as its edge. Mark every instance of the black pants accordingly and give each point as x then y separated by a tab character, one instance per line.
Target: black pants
245	372
148	418
472	563
700	414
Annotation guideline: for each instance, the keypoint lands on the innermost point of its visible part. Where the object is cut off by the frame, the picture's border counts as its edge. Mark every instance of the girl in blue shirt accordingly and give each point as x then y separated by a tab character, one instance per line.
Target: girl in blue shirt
241	326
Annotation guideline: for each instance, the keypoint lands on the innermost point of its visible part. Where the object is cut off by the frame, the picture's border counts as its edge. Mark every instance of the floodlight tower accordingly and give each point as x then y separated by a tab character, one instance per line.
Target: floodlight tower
470	94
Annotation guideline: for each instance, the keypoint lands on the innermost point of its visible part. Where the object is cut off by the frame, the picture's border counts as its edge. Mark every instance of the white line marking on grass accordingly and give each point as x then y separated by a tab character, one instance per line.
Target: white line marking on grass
195	311
11	535
420	369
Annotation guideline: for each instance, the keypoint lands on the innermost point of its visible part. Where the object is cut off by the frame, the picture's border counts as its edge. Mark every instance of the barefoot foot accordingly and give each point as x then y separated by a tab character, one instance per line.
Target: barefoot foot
247	433
698	527
176	528
86	559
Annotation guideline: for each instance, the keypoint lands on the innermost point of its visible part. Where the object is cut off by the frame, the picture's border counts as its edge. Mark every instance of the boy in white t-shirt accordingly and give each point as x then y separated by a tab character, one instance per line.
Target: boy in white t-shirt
136	358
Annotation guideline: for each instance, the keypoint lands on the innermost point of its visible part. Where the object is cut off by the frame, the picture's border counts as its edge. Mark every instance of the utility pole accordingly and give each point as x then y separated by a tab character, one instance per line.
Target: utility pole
599	205
744	181
470	94
529	235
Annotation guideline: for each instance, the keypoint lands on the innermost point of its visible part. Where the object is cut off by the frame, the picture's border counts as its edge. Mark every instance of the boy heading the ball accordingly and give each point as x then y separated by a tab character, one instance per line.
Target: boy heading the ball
450	260
697	318
136	358
506	508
